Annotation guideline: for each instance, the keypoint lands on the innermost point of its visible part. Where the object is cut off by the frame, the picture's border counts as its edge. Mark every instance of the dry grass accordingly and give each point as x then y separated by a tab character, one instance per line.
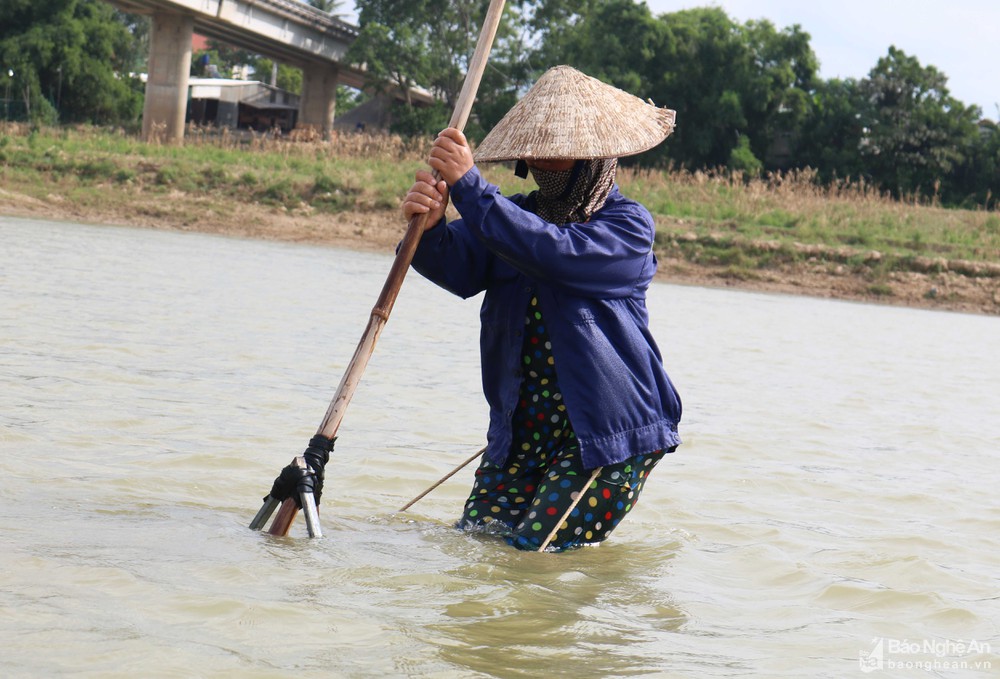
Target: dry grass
795	207
782	233
361	171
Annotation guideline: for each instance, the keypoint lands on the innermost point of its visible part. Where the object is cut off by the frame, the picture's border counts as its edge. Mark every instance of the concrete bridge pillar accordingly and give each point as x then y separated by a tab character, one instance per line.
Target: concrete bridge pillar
167	84
319	97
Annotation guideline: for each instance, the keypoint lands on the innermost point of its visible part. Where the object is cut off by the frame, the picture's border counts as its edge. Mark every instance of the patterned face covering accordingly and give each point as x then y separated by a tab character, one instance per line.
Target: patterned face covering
574	195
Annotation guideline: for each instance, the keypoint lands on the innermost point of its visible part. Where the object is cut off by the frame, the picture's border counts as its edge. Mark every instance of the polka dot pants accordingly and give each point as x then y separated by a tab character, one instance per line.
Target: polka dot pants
526	497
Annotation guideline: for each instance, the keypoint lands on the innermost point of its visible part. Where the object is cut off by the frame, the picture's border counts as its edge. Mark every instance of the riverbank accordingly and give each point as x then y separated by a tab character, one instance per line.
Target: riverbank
785	236
380	230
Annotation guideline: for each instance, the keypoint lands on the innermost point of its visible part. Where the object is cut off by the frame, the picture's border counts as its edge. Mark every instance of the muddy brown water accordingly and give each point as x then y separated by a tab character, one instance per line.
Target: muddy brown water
832	510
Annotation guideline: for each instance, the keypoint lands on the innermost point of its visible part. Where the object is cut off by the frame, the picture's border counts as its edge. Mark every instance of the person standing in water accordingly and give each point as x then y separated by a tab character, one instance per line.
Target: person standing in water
581	407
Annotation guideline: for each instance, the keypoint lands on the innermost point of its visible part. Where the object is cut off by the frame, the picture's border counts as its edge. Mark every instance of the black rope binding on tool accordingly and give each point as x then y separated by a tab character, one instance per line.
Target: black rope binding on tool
293	480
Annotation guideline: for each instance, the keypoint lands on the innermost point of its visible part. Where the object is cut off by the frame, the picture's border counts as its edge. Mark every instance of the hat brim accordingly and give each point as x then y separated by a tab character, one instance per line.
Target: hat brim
569	115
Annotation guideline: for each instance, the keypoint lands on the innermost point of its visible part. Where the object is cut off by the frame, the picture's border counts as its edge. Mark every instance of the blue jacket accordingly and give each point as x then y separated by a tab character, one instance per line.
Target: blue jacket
590	280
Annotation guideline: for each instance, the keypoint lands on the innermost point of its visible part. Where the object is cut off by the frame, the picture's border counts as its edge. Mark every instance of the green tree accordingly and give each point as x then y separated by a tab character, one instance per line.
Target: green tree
289	77
393	44
513	66
330	7
348	98
226	59
977	177
729	81
72	54
778	73
732	85
915	133
135	56
419	43
613	40
831	132
617	41
742	159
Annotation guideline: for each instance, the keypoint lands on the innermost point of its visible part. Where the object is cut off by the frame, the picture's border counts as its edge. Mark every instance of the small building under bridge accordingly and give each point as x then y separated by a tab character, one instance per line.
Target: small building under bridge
257	106
241	104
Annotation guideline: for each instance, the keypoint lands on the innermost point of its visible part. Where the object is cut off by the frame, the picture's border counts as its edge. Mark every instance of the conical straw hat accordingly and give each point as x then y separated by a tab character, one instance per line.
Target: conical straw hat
567	114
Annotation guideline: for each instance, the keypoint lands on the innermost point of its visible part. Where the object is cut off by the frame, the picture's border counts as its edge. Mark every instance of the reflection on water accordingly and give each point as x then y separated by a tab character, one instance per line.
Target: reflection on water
604	614
835	485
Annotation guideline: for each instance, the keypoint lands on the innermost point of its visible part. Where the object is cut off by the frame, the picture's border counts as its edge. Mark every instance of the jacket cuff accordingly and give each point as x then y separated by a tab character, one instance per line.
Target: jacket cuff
468	188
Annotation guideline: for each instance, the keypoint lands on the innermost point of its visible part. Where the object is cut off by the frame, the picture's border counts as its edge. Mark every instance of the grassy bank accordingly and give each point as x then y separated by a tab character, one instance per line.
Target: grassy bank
758	233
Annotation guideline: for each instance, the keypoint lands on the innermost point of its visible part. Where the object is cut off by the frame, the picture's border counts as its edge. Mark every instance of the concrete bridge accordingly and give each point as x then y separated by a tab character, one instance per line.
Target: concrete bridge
284	30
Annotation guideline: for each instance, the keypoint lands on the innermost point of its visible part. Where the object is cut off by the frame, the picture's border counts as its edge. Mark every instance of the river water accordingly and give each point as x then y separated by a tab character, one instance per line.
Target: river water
833	508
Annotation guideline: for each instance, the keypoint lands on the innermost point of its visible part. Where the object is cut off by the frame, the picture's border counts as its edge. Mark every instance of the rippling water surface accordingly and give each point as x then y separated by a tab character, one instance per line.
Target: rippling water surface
834	502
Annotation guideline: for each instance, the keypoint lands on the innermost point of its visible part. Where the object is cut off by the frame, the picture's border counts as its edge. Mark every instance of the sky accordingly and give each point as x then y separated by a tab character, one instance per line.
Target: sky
961	38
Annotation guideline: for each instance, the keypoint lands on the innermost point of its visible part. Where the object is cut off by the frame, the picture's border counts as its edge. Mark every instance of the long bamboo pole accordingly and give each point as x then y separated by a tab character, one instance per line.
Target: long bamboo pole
414	230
